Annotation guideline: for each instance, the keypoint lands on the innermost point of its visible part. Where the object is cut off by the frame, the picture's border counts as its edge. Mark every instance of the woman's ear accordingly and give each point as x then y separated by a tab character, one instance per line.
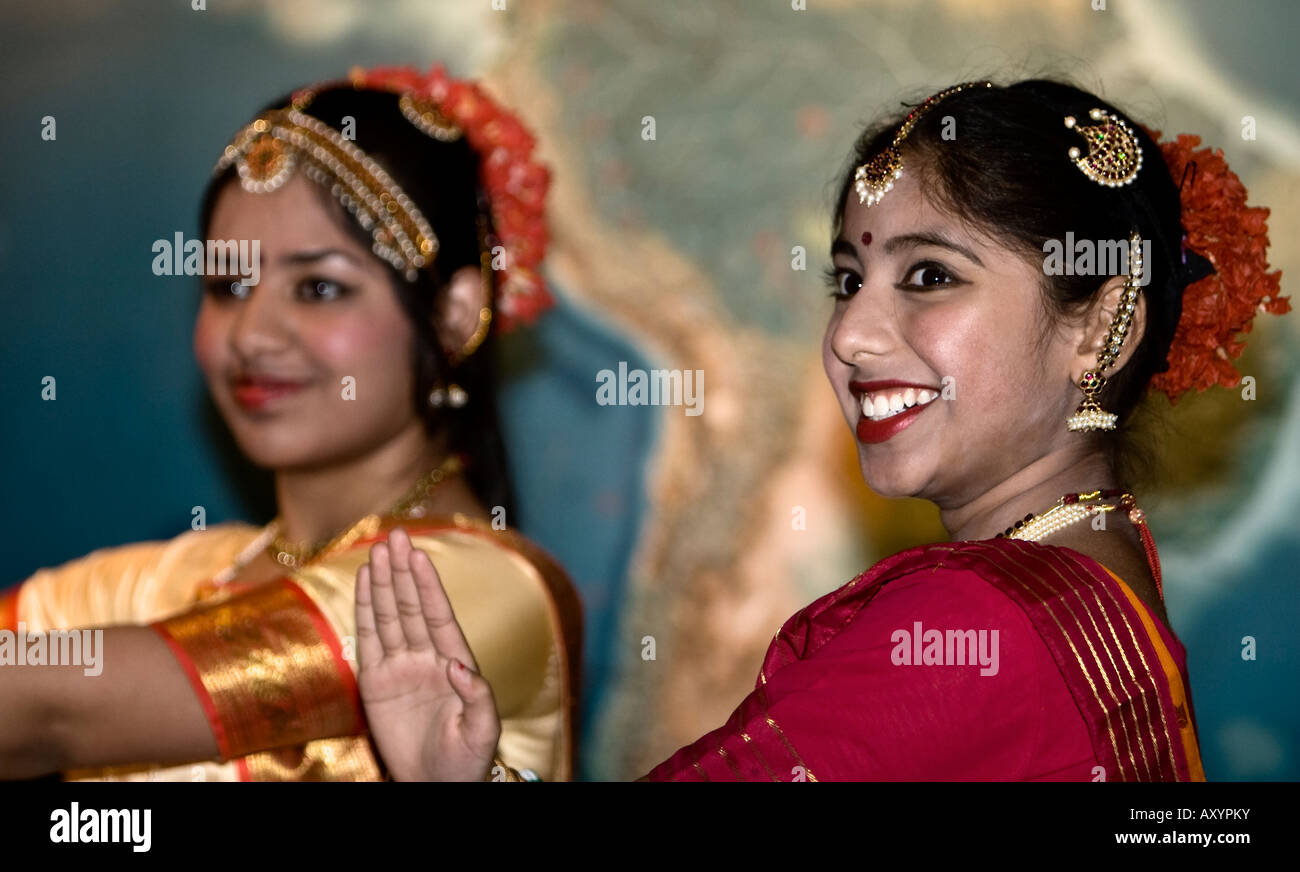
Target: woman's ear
459	313
1096	328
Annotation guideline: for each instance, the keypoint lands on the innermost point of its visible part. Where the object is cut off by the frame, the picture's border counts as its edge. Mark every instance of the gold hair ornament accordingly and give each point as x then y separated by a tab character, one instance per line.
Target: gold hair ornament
1114	155
266	152
425	115
876	177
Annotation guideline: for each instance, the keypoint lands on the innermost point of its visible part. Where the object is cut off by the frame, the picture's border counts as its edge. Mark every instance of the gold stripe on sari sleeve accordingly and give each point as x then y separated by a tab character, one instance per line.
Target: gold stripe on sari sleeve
1039	600
776	728
758	755
1174	679
1137	730
267	668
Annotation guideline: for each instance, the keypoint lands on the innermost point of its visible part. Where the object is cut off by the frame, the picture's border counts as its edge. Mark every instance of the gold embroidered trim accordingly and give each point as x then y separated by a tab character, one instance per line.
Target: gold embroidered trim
268	676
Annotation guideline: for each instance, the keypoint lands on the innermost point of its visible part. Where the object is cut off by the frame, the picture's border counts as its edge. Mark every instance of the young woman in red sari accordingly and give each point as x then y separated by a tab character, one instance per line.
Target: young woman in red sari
1033	644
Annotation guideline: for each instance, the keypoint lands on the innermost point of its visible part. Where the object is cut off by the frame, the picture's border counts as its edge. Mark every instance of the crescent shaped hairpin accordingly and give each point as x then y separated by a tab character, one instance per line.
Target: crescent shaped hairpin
1114	155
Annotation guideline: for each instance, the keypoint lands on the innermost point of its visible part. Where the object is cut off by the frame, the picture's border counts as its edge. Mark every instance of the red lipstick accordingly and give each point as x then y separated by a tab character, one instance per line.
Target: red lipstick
873	432
255	392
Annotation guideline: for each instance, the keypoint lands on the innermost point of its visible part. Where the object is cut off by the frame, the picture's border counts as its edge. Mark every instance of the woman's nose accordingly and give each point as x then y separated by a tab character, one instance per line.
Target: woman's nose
867	326
259	324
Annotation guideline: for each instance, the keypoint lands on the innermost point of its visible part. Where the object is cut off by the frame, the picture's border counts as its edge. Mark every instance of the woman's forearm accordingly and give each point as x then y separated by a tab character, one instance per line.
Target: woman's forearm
28	743
134	706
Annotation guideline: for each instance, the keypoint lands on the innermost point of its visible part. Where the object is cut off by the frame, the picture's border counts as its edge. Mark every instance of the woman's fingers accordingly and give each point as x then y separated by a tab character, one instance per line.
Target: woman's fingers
369	649
438	616
481	727
387	623
409	612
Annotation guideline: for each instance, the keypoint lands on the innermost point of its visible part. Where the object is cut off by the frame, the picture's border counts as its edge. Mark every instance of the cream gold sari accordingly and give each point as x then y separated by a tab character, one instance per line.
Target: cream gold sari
274	664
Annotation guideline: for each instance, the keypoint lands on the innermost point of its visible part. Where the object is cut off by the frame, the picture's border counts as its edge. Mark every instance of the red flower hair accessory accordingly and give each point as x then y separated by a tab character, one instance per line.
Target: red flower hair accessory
515	184
1233	237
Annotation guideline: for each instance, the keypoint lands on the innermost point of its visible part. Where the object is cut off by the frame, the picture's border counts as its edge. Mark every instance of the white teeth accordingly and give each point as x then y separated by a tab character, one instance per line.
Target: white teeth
881	406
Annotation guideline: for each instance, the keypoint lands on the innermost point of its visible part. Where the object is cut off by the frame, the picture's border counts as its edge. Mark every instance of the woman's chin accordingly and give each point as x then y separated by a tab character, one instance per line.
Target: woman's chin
276	450
273	460
890	481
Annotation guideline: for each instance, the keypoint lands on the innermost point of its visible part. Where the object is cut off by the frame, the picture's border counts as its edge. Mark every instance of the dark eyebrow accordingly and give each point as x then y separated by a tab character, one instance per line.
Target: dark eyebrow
843	246
929	237
301	257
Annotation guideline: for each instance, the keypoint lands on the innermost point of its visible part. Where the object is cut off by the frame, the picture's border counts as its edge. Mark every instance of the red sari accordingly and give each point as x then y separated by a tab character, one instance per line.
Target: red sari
988	660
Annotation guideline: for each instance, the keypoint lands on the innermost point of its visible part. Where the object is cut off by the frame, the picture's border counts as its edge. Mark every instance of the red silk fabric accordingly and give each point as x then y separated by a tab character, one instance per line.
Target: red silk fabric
1078	691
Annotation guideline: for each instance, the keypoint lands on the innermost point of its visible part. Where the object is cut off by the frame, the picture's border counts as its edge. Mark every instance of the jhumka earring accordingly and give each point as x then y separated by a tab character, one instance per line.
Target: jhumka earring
1090	415
1113	160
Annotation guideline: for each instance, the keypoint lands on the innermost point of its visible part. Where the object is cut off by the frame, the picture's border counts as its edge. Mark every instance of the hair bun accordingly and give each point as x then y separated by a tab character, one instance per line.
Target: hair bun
1224	267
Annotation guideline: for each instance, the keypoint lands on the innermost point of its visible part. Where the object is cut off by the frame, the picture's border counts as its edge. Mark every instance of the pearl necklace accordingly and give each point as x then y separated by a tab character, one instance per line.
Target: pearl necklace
1072	508
1069	509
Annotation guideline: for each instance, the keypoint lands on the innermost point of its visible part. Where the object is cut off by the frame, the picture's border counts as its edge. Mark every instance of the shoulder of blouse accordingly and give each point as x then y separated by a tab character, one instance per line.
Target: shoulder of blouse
111	584
534	567
936	675
216	538
1004	568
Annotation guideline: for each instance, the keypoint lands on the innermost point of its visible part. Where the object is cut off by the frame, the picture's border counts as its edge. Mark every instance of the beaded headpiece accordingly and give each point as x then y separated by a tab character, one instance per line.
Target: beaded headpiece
267	151
876	177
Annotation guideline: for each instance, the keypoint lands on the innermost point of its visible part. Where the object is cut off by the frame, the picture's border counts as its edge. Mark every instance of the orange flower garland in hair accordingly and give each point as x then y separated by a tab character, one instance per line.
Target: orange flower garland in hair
1221	307
515	184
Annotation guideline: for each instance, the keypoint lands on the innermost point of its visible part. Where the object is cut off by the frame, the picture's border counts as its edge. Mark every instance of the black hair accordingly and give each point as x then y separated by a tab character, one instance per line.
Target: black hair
1004	169
442	179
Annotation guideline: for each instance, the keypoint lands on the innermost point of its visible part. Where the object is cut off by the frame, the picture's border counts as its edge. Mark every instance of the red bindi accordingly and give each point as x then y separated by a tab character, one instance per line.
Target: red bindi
866	239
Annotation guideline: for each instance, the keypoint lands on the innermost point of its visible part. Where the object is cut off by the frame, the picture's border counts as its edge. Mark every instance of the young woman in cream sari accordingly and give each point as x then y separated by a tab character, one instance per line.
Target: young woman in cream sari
358	369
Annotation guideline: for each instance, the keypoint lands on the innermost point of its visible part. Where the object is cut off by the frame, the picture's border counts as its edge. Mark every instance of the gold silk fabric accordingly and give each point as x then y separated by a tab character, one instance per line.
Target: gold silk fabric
274	664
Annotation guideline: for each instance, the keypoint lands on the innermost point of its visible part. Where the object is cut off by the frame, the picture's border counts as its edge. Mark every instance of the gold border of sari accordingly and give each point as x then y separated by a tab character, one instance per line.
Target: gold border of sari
1174	677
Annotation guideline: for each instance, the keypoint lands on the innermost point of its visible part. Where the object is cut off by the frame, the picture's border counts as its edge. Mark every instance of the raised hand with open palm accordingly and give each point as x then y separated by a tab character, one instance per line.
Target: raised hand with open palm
431	714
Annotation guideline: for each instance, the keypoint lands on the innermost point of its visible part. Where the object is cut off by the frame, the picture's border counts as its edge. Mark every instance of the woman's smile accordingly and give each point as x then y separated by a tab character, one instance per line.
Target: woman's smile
888	407
257	392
